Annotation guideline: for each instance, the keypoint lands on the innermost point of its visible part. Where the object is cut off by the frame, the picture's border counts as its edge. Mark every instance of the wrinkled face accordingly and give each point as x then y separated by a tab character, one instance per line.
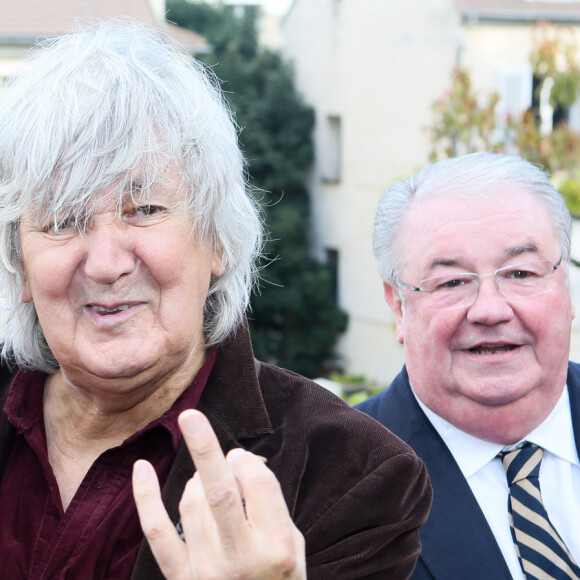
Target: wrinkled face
124	299
496	368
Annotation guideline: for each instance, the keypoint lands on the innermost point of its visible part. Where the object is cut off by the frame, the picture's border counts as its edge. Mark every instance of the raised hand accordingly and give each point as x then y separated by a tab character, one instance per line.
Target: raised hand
233	515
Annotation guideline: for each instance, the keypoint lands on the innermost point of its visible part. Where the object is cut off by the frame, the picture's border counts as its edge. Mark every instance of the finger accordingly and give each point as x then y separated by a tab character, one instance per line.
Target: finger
267	512
200	529
259	487
229	458
219	484
166	545
261	556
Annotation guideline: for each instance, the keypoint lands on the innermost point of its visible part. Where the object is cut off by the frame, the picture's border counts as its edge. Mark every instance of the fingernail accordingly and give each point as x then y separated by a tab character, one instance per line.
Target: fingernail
191	422
236	452
140	470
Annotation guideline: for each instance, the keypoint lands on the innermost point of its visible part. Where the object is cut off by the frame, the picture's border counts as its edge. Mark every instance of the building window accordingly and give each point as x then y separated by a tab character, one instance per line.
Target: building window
548	114
520	91
332	149
515	90
332	259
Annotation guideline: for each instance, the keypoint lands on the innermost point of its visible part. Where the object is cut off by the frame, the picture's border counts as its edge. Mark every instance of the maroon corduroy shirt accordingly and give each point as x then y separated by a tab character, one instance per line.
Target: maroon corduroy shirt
98	536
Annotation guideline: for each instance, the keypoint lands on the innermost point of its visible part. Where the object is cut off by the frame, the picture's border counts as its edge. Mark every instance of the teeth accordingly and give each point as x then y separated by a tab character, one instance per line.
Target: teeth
110	310
498	350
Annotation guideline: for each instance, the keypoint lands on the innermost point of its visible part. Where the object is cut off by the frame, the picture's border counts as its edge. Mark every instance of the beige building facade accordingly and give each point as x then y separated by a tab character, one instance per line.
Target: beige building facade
372	69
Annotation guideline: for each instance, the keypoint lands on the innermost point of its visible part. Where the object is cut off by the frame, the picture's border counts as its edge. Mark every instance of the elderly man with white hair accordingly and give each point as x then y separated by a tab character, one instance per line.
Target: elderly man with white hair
128	242
474	254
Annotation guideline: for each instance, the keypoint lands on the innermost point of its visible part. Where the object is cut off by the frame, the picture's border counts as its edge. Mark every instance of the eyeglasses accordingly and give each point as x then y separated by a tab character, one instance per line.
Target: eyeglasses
460	289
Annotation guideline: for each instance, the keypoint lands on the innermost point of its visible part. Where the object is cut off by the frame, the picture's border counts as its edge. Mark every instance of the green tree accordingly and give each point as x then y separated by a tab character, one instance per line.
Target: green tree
295	320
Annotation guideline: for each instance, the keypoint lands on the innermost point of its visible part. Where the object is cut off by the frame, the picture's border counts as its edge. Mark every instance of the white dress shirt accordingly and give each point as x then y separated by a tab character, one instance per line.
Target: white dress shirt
559	477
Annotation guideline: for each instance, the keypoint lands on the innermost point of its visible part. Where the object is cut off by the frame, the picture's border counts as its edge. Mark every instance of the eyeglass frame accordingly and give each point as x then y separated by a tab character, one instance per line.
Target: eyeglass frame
477	277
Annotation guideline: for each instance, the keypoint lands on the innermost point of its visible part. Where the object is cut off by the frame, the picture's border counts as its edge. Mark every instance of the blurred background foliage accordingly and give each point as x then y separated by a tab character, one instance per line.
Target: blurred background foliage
295	320
466	122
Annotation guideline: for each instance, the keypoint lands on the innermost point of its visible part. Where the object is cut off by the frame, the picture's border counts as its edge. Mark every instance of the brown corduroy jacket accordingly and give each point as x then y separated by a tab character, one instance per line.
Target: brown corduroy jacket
356	492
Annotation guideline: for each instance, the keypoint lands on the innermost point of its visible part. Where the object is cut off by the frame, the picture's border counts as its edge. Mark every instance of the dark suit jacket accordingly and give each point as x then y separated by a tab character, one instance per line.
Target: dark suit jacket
457	541
356	492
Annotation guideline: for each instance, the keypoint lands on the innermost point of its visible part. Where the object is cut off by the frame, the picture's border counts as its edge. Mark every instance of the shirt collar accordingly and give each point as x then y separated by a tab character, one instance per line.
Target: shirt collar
555	434
25	401
189	399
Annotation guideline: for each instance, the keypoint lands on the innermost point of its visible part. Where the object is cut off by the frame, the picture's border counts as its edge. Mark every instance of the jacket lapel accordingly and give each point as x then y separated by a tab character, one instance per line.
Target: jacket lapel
6	429
573	382
233	403
457	541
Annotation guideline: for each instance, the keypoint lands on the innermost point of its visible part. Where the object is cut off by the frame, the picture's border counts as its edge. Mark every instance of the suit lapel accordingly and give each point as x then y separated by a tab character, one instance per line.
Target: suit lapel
573	382
457	541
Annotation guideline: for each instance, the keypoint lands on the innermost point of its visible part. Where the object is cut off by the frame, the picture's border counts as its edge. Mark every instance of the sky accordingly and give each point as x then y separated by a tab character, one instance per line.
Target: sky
277	6
274	6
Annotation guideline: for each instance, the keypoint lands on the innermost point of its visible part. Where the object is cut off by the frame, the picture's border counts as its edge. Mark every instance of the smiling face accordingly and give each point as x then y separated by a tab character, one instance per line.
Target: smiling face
121	305
494	369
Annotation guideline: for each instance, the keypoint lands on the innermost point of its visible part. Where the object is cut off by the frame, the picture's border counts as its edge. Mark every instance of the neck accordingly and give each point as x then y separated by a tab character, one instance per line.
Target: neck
82	423
104	416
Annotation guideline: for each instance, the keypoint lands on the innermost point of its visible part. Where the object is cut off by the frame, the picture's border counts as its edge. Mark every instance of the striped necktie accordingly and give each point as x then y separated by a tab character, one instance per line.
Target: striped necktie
542	553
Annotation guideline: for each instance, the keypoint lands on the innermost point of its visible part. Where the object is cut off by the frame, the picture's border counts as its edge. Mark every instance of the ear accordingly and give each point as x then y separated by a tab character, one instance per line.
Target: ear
394	301
217	267
26	294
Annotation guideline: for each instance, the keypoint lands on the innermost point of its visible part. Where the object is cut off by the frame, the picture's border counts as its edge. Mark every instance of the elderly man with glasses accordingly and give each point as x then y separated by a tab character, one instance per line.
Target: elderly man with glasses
474	254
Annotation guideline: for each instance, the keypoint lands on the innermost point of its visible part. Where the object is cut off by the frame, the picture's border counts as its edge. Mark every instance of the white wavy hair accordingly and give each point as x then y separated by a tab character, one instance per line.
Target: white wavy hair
471	175
89	110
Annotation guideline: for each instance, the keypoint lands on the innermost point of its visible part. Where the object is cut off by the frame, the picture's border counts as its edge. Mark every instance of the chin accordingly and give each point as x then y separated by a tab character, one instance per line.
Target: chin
120	365
497	395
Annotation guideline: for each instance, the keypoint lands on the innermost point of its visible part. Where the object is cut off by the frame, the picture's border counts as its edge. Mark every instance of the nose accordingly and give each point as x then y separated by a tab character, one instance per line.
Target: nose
110	250
490	306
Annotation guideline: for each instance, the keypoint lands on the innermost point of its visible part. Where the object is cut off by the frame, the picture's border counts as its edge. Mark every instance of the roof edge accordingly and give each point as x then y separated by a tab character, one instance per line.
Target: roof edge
506	16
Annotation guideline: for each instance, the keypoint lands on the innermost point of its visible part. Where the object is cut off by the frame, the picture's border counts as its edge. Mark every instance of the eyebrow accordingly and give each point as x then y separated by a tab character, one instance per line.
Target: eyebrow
444	262
508	253
519	250
135	191
136	184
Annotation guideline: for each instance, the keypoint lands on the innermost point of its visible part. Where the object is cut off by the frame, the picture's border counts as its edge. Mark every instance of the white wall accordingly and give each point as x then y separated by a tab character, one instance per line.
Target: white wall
377	65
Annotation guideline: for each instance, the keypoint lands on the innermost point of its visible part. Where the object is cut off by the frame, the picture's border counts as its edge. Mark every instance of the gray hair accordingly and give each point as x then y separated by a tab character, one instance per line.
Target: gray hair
470	174
96	109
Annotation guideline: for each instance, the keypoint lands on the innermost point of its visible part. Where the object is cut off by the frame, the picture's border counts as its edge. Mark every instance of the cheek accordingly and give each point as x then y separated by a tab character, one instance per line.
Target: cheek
45	280
552	312
184	284
429	357
553	322
429	330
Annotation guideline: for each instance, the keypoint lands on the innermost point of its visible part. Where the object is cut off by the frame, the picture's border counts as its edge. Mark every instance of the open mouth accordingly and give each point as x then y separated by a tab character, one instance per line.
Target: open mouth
483	349
102	311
